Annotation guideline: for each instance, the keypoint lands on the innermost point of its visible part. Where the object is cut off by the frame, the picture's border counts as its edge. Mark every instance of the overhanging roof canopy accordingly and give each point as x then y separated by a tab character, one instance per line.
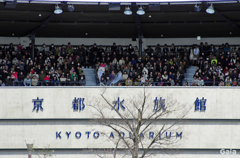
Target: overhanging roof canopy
95	19
123	2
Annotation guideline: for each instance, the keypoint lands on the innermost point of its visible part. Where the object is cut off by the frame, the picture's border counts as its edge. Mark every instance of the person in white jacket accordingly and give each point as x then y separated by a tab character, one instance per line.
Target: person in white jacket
196	52
145	69
200	82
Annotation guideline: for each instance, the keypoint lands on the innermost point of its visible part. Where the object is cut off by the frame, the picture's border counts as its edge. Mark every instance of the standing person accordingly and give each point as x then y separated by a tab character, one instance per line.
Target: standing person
101	70
196	52
87	62
191	55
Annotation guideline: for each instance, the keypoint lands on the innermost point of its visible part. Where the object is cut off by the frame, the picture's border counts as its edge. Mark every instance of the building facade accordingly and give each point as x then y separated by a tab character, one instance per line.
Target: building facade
66	120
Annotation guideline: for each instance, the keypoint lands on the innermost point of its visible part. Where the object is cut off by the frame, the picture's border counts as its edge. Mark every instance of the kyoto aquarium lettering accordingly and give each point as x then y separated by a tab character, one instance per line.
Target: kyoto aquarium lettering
37	104
78	104
118	104
159	104
96	134
200	104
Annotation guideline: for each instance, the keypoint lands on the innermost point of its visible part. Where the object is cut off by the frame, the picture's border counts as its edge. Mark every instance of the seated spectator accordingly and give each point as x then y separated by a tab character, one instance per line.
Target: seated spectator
134	62
234	82
63	79
68	77
14	76
72	71
195	81
19	47
137	81
21	78
74	81
15	60
200	82
128	82
171	75
103	81
165	76
47	78
178	76
143	80
208	81
151	78
228	81
221	83
35	74
178	83
171	81
8	81
27	81
221	76
112	75
145	75
132	77
132	70
82	79
144	70
215	81
54	81
59	71
186	84
34	81
79	70
124	76
73	75
42	76
66	70
160	82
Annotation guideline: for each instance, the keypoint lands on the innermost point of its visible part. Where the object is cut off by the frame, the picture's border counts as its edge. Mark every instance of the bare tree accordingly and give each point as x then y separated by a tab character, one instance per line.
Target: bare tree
44	152
140	116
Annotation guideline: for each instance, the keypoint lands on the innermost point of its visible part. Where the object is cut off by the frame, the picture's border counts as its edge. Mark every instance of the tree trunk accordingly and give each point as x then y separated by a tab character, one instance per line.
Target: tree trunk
135	147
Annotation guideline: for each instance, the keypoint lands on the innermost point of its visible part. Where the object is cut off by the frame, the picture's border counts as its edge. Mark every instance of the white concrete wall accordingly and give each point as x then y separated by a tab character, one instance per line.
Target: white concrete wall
221	102
204	133
195	135
120	41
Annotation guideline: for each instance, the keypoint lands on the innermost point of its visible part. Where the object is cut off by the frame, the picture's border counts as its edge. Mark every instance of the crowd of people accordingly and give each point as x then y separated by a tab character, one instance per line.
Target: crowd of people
215	67
158	66
51	66
165	66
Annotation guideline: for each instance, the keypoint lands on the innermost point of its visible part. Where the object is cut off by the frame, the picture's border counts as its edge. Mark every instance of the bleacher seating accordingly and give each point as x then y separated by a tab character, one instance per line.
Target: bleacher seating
165	65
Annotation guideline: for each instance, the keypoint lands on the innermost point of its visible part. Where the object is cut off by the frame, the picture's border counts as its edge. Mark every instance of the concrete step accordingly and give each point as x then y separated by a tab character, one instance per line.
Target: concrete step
91	84
192	67
88	71
190	71
189	74
188	78
90	76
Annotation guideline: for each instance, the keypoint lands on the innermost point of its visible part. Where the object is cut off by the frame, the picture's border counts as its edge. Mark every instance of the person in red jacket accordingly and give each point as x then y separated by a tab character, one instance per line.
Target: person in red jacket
15	74
47	80
15	77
